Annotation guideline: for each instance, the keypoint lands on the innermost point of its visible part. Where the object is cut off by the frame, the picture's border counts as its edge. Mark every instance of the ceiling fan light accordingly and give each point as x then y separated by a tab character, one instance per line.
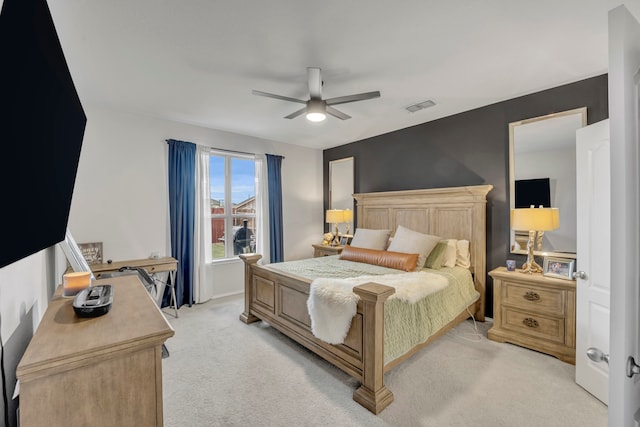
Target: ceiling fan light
316	116
316	110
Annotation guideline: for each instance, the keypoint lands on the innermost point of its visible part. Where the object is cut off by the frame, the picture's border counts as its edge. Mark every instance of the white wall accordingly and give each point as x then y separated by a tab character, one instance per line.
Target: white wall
25	289
120	197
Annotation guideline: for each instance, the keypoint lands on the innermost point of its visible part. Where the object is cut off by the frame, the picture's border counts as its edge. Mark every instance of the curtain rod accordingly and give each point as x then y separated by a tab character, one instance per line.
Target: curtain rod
230	151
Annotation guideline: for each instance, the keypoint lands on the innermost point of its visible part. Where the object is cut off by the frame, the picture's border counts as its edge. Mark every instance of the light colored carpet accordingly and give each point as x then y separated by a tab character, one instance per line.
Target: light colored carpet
222	372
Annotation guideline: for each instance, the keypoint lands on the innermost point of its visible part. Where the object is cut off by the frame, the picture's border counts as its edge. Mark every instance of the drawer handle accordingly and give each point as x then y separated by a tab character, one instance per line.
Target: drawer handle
531	296
532	323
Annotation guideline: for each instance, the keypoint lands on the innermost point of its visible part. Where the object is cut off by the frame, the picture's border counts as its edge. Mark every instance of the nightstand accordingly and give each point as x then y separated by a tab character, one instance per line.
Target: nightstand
326	250
535	311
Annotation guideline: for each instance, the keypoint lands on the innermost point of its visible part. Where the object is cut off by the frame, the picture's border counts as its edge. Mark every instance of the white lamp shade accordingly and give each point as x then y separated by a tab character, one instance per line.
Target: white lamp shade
348	215
335	216
535	219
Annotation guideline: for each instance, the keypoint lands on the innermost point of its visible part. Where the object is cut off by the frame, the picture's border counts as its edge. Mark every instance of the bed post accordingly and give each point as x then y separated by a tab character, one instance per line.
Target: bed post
249	260
373	394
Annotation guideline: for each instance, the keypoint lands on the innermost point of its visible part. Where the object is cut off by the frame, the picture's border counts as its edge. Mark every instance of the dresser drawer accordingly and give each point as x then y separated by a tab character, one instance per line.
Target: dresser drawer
534	298
533	324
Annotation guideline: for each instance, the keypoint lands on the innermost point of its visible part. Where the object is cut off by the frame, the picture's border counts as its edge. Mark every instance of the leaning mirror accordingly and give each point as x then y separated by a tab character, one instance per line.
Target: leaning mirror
542	171
341	186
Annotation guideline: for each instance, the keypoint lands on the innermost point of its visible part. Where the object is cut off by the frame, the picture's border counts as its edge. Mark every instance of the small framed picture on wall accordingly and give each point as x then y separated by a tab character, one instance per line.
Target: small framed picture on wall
561	268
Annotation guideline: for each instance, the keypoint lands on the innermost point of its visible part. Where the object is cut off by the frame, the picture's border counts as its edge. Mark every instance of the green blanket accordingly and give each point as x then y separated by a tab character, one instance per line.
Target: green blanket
406	325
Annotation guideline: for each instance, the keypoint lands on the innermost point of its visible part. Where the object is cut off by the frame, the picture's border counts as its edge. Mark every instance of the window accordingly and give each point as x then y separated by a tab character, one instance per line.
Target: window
233	204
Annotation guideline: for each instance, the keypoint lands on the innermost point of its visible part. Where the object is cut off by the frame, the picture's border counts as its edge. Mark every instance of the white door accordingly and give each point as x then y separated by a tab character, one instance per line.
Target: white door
593	176
624	62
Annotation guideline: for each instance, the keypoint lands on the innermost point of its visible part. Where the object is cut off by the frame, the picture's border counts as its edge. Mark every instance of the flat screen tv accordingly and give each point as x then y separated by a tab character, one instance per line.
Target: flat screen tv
42	124
536	192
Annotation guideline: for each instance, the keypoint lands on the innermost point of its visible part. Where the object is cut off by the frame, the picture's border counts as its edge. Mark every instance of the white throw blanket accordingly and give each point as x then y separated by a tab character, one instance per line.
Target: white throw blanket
332	303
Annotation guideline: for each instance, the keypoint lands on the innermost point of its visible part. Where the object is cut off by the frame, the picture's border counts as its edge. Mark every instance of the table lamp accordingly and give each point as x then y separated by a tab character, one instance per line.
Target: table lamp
534	220
335	216
348	217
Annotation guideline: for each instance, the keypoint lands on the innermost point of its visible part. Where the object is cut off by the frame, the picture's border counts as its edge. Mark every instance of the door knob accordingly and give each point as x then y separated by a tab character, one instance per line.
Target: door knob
597	355
580	275
632	367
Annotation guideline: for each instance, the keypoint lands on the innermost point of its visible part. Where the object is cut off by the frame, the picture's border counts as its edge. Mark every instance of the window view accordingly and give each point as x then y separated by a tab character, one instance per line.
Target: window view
233	205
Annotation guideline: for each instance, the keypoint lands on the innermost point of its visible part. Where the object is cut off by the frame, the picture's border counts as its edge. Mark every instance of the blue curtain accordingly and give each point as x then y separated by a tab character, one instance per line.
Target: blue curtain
182	193
276	244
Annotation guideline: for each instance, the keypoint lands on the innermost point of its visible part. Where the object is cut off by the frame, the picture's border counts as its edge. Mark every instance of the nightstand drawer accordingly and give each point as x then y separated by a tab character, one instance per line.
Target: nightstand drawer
533	324
534	298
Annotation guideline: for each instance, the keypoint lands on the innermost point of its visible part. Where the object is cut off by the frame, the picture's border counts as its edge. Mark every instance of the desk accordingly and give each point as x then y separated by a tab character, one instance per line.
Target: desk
150	265
105	370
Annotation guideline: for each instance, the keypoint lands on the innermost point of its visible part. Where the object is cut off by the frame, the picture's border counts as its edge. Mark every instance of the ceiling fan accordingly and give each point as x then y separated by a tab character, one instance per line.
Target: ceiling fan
317	108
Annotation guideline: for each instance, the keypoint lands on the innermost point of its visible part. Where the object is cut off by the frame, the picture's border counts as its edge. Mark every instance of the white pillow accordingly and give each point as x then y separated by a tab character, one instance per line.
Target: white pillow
463	258
370	239
412	242
450	253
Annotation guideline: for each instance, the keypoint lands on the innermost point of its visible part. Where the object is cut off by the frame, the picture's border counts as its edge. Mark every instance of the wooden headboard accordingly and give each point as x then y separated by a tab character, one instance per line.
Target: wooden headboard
451	213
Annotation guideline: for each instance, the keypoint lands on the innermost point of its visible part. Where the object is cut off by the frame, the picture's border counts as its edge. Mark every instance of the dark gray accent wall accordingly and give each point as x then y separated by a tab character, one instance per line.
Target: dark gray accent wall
469	148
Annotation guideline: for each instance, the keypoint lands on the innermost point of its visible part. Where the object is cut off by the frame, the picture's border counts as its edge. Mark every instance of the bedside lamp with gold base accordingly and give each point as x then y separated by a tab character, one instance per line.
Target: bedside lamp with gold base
335	217
534	220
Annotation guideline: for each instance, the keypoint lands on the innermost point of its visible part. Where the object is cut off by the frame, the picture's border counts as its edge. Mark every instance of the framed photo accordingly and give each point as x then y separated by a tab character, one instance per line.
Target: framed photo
346	239
561	268
92	252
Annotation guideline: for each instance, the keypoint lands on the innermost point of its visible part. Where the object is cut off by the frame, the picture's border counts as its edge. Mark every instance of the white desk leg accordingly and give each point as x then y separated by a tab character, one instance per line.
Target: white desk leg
172	277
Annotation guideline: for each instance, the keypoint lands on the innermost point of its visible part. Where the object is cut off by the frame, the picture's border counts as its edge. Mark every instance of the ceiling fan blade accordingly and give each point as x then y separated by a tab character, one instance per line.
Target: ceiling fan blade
352	98
296	113
315	82
272	95
338	114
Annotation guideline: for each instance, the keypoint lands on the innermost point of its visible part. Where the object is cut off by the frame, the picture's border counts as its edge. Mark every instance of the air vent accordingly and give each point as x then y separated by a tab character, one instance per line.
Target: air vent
420	106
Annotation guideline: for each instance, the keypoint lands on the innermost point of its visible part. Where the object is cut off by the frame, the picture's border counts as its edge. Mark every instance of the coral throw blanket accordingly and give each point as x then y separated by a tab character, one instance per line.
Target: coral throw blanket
332	303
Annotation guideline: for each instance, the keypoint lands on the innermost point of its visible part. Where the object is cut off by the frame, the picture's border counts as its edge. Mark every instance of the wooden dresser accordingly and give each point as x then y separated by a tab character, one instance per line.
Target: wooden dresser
326	250
535	311
105	370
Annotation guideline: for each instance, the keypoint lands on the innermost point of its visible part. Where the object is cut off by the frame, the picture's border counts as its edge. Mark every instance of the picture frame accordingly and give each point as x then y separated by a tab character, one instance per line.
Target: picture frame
74	256
345	239
91	252
561	268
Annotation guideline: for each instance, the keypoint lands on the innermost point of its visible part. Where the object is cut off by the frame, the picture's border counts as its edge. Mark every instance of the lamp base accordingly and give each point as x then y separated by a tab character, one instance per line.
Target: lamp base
532	267
336	237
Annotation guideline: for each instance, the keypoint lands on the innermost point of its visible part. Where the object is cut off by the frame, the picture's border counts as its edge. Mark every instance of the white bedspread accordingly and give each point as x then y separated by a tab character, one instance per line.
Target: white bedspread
332	303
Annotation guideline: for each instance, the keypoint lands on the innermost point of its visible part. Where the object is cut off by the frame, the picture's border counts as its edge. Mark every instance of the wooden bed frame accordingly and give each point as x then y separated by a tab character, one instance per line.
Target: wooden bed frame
281	299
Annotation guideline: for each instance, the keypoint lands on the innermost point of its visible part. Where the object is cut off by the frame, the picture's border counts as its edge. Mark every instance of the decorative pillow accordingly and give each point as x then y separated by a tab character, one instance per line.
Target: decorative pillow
463	258
412	242
370	239
437	256
450	254
397	260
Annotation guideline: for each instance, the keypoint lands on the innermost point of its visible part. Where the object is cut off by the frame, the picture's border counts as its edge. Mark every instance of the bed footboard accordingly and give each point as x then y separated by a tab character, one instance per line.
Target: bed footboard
281	301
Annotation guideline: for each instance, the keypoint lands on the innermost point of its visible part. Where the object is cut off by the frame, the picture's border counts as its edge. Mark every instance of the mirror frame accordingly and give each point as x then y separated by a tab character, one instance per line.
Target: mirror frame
342	185
512	191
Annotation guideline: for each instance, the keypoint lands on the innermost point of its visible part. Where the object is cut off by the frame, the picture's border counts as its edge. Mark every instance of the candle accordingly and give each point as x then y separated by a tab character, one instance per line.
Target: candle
73	283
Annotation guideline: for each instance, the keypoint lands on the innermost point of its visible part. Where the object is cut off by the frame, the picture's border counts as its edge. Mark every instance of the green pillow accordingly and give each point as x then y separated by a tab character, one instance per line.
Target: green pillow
437	256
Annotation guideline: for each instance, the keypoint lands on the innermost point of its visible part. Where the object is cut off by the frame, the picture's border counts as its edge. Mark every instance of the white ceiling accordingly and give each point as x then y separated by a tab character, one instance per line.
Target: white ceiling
196	61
